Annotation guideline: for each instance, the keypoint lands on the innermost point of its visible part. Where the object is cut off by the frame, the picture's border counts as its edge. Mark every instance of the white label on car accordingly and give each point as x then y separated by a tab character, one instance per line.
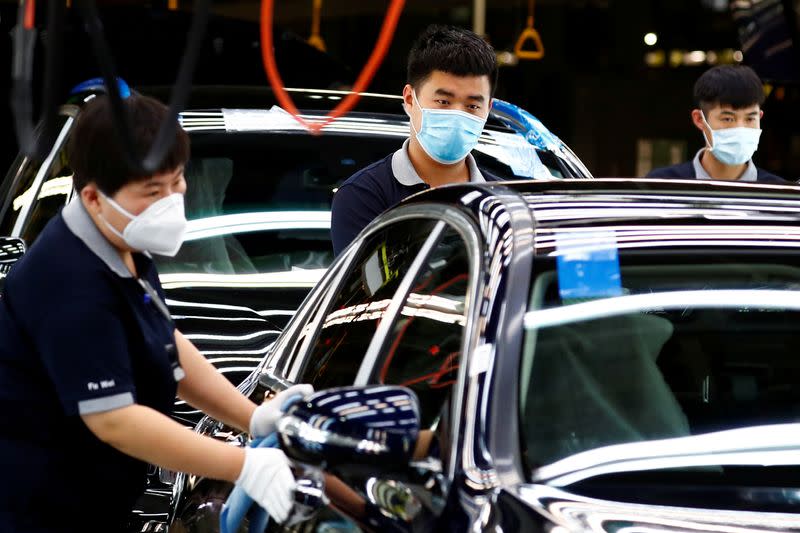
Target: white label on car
481	359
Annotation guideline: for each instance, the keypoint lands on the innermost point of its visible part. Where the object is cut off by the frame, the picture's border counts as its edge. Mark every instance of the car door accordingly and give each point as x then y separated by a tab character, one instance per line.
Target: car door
398	315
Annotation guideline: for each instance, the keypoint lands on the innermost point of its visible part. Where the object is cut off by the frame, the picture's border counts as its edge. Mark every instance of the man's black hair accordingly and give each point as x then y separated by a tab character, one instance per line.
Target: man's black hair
453	50
735	85
96	153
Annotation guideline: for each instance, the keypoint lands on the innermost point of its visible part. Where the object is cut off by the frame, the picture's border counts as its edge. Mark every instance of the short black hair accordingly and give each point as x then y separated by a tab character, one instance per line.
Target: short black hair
97	154
453	50
735	85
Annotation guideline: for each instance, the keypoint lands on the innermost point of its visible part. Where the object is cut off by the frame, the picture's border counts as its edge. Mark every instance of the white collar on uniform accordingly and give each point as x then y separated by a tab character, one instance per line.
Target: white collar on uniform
81	224
750	174
405	173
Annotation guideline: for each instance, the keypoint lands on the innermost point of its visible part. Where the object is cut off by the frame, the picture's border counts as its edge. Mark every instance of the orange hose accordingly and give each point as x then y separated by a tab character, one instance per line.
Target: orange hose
362	82
30	11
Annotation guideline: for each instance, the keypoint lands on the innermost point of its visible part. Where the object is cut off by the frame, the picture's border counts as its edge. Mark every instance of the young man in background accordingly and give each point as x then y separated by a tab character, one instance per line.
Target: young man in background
728	113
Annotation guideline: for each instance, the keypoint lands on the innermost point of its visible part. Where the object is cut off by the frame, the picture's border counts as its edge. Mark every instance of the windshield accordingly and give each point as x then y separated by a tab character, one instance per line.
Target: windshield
260	203
670	352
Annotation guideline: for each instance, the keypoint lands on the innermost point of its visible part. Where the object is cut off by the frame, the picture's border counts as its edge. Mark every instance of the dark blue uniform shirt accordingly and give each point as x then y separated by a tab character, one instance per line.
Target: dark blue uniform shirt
694	170
374	189
78	336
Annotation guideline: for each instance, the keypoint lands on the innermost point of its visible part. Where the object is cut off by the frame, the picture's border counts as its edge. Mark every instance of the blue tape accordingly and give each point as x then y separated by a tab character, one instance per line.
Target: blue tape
588	265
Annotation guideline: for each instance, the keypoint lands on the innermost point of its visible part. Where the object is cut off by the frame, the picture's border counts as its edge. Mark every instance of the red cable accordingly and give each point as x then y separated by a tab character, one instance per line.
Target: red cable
362	82
30	10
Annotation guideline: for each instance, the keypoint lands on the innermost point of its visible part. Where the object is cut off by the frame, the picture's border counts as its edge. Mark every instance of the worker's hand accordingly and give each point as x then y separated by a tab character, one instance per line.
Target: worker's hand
266	415
267	479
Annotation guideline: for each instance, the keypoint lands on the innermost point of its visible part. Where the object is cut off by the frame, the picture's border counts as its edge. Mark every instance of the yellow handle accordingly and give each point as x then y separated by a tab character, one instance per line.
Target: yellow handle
529	33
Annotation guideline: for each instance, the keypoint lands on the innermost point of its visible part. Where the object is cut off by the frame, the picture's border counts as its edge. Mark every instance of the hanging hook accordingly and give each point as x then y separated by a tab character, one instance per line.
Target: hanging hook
529	33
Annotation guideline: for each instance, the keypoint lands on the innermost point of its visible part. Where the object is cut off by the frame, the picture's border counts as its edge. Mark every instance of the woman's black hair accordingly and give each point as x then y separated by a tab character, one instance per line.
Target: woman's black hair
737	86
453	50
96	154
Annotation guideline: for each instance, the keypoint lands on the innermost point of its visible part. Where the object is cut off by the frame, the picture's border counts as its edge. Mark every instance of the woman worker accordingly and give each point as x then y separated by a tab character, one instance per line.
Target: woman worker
90	360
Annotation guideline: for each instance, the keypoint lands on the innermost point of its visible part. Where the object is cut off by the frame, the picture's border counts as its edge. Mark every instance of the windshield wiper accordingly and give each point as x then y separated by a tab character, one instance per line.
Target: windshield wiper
771	445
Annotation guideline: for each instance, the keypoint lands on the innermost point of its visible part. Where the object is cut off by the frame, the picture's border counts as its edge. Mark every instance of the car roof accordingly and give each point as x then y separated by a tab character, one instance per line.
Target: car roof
312	102
645	214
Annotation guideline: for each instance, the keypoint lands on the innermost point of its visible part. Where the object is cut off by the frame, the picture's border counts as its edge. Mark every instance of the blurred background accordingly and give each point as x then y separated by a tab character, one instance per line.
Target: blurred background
615	82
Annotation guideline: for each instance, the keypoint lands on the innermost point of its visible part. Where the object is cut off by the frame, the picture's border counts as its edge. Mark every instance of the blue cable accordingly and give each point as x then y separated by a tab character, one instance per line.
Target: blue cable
239	504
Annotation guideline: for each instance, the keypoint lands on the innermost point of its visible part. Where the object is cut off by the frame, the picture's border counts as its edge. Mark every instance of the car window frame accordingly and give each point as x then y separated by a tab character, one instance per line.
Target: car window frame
470	234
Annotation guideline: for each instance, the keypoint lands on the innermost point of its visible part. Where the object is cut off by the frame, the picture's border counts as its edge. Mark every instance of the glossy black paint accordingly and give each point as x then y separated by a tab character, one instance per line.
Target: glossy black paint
352	426
11	250
490	491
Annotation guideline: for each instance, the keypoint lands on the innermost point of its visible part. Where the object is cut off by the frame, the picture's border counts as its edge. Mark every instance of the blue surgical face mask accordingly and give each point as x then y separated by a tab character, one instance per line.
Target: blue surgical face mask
733	146
447	135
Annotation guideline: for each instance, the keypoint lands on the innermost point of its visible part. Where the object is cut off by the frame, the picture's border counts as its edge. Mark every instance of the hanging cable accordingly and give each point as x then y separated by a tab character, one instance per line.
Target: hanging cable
21	101
22	78
362	82
165	136
315	39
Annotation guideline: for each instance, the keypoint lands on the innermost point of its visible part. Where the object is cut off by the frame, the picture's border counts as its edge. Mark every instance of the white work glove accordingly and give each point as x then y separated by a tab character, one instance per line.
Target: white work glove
266	415
267	479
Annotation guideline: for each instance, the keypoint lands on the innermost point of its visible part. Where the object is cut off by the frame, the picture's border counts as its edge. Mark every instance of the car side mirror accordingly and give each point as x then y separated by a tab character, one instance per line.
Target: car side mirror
371	425
11	250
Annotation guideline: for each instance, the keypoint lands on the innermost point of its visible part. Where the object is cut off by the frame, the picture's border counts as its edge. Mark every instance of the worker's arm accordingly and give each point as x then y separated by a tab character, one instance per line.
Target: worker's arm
150	436
206	389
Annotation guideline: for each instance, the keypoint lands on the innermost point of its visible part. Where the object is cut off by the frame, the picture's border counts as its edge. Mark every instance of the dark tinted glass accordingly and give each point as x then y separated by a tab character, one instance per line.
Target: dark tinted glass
424	350
50	198
362	299
720	362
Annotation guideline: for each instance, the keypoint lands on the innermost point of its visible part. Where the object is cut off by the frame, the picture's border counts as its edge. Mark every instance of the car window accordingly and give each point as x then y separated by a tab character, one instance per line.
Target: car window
349	323
424	350
259	202
716	360
51	196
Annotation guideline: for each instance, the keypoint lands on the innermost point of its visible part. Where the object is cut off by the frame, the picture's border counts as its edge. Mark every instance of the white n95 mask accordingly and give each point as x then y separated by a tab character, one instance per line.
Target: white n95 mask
159	229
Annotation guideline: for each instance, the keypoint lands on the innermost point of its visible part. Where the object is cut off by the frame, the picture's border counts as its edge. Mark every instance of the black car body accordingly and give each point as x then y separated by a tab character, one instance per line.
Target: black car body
664	394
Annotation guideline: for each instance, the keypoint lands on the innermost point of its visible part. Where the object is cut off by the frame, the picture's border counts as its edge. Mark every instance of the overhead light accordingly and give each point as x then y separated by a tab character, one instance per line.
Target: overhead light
675	58
695	57
650	39
507	59
657	58
738	56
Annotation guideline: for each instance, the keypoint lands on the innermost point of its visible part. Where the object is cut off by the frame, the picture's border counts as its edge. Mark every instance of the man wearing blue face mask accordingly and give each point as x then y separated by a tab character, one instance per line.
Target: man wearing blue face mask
728	99
451	76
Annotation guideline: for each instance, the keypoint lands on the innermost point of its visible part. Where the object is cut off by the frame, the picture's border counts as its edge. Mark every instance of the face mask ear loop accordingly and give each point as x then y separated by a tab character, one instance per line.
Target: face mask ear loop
421	114
115	205
710	144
